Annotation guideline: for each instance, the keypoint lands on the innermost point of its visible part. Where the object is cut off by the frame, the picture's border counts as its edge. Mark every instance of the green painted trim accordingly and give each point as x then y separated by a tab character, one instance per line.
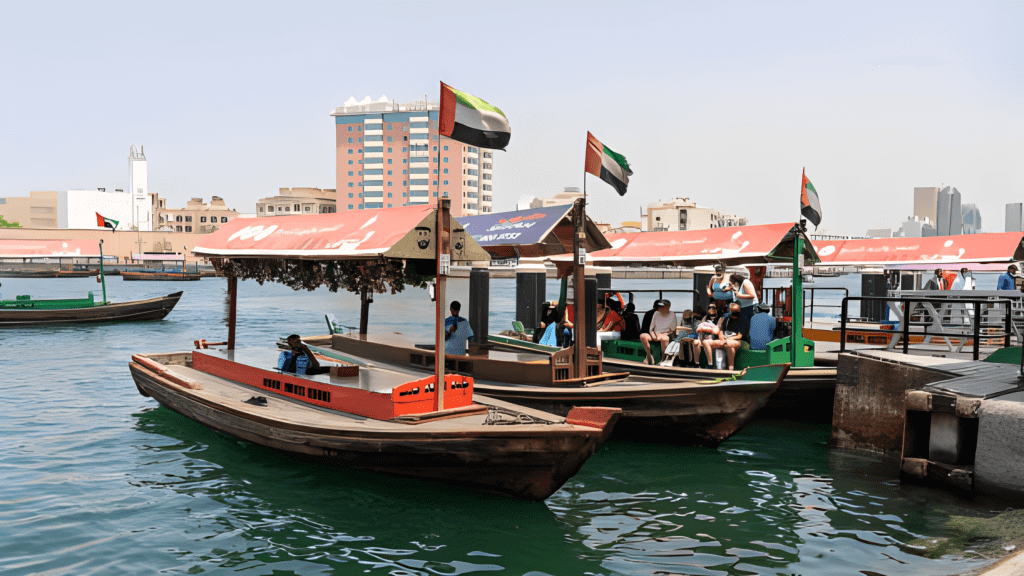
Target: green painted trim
27	303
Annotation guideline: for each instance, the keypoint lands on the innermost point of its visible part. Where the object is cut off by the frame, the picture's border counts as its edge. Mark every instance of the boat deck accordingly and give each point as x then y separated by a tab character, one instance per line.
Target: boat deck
398	339
301	415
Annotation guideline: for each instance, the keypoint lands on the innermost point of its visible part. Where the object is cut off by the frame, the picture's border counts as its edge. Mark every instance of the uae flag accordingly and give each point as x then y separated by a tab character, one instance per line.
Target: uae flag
810	207
607	164
468	119
105	222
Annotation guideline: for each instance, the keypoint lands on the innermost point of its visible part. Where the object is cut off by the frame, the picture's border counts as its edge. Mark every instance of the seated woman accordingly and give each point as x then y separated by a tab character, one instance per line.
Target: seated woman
688	334
706	330
732	327
613	325
299	359
548	317
631	321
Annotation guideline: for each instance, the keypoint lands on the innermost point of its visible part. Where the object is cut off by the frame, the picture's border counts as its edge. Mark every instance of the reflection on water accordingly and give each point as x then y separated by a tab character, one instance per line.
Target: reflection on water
97	479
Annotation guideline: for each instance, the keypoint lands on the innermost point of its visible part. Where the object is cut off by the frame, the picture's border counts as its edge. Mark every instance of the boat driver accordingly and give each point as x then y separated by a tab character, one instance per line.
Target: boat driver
299	359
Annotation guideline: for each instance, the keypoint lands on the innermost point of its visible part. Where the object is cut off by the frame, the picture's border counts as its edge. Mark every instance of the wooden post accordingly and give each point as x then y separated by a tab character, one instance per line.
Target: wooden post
442	236
103	279
364	312
579	247
232	306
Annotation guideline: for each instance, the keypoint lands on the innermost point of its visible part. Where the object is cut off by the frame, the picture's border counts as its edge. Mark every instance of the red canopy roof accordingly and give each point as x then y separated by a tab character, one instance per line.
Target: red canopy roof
994	247
13	248
356	234
735	245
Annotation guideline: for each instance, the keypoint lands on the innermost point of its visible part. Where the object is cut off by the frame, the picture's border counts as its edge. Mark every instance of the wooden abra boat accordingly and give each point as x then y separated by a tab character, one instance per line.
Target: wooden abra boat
160	275
24	311
705	412
378	419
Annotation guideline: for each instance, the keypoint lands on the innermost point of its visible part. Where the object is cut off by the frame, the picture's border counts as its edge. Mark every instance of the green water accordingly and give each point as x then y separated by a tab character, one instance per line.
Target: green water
97	479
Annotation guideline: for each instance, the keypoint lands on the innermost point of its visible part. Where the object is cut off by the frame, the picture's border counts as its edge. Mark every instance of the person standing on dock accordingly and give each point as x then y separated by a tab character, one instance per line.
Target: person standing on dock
1006	278
938	282
456	331
663	327
964	280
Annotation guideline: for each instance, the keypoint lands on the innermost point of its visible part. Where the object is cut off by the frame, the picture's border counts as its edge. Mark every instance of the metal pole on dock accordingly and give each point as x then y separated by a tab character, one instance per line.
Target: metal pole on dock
103	279
797	319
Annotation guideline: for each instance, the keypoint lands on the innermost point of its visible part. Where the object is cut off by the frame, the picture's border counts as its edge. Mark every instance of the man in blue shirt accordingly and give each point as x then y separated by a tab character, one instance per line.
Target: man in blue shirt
762	328
456	331
1006	279
299	359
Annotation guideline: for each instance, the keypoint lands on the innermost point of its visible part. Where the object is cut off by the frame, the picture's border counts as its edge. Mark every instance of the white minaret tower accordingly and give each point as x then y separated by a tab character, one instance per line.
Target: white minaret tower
138	189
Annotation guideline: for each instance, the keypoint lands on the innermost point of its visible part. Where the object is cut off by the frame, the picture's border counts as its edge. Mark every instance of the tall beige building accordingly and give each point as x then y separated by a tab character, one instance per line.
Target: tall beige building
926	203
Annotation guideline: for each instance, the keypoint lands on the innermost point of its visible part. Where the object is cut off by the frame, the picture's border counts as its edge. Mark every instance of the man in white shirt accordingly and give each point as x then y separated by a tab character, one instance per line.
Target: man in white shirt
663	327
964	281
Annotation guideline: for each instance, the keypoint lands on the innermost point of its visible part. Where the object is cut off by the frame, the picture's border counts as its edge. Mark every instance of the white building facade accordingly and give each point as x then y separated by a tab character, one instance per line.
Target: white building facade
684	214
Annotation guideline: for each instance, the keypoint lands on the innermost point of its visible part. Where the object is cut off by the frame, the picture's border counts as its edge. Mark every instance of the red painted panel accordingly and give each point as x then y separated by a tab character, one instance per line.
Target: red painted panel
415	397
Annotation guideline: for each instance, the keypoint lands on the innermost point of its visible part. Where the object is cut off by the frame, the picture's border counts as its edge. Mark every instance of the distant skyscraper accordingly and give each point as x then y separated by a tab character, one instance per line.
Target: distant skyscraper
942	212
387	156
926	200
971	219
1014	221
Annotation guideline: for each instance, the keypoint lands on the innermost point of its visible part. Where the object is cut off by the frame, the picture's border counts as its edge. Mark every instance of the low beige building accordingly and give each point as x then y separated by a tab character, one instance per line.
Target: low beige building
292	201
38	210
566	197
196	216
684	214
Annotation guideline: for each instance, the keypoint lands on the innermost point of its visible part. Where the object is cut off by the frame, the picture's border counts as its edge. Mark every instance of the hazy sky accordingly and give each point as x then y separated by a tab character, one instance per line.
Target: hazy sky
722	102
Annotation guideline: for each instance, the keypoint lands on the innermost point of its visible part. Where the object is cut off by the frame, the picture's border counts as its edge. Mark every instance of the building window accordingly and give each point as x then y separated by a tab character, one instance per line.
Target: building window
435	182
350	194
405	171
307	209
389	172
223	219
350	185
360	128
445	148
188	218
270	208
349	128
360	172
445	171
188	228
445	182
350	206
405	182
435	148
360	150
405	138
349	139
389	195
389	160
350	162
404	160
286	209
350	173
435	170
360	139
390	139
404	149
178	228
445	159
350	152
202	218
178	218
389	127
389	183
389	150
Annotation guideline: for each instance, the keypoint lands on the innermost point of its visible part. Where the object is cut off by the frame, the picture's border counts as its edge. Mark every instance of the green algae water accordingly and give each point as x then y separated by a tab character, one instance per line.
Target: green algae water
96	479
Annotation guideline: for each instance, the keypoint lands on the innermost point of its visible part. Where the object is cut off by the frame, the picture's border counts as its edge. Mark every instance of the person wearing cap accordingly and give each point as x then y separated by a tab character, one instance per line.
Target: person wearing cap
663	327
1006	279
762	328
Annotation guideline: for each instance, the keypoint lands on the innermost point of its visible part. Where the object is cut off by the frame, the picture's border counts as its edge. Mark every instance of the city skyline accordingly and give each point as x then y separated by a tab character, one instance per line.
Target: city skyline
721	103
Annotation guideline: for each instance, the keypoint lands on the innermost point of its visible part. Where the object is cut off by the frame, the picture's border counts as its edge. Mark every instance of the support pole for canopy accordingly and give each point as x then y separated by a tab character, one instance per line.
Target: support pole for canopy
579	237
796	334
441	238
364	311
232	306
103	279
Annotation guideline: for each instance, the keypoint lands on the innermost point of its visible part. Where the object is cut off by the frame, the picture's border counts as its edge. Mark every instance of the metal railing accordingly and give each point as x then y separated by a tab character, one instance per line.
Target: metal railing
982	309
768	297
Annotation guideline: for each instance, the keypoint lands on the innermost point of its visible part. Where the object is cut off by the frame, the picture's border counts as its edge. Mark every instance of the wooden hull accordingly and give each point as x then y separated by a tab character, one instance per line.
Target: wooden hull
527	461
162	276
809	392
139	310
48	273
686	413
707	412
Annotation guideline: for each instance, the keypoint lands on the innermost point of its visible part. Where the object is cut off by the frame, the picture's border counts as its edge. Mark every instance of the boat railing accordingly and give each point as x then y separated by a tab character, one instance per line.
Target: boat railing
776	299
964	319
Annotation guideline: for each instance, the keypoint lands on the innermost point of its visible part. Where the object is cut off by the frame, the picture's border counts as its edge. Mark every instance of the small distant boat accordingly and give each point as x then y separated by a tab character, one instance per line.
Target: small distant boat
16	273
24	311
165	275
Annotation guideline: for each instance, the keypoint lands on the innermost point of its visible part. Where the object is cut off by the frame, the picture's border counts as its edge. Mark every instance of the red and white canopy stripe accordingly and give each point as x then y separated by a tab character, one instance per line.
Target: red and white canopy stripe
735	245
994	247
13	248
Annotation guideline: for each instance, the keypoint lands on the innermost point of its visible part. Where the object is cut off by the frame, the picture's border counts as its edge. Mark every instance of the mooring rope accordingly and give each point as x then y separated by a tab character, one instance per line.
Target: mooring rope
503	417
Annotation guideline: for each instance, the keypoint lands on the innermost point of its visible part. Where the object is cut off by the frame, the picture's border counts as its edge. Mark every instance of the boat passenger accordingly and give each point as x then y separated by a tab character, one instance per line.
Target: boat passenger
688	334
548	317
299	359
762	328
707	330
1006	279
663	327
631	322
720	286
613	325
565	327
730	335
746	295
457	331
